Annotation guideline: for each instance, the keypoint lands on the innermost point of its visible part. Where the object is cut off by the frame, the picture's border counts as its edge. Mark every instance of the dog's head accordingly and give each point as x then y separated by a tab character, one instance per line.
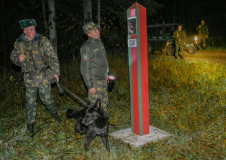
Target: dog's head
92	113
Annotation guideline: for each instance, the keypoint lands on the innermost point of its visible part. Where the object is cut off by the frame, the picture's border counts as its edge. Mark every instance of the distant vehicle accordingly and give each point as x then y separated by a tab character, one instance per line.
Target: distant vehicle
160	37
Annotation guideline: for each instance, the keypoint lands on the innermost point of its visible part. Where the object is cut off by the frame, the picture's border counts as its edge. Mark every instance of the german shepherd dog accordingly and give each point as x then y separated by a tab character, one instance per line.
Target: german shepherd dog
92	121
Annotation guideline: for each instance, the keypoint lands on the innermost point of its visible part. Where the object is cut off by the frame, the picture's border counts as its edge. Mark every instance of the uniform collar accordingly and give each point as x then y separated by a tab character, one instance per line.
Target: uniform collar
27	39
94	40
23	37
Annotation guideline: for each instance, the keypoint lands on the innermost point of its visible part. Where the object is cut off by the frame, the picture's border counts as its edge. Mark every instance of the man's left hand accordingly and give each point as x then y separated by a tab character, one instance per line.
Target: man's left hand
107	77
206	36
57	77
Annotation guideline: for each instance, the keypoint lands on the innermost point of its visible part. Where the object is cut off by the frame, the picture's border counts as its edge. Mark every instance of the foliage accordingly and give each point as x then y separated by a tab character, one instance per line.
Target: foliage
187	99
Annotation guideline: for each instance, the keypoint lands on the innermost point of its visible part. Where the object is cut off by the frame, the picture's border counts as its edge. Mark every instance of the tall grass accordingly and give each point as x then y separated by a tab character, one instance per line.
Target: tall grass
187	99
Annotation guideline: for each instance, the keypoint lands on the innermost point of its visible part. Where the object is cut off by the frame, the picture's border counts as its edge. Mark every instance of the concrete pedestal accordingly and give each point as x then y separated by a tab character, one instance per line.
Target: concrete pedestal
135	140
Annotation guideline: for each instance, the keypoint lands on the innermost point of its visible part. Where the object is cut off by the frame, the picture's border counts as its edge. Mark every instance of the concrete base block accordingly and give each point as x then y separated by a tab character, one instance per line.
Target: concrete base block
135	140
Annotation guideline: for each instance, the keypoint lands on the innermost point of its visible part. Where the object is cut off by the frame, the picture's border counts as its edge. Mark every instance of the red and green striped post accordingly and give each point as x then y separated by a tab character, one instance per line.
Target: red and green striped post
138	68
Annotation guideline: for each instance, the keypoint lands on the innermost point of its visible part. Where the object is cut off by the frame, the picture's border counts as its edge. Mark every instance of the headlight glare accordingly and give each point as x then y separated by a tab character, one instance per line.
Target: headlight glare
196	38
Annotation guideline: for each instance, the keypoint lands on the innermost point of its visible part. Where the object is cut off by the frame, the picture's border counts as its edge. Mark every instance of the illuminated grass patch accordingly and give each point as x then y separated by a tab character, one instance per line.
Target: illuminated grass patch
187	99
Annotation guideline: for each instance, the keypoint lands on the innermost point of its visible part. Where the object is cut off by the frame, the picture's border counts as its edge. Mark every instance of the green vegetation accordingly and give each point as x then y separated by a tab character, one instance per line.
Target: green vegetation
187	99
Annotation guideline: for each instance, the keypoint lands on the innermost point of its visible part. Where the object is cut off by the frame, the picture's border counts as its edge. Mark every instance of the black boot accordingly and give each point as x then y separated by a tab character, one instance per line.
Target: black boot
31	129
56	116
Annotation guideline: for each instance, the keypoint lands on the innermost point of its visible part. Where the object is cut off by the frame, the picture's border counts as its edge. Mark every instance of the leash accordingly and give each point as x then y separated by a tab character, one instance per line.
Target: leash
61	92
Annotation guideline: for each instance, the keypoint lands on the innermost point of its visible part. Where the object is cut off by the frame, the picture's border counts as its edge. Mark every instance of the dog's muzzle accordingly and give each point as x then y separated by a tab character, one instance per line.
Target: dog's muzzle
88	123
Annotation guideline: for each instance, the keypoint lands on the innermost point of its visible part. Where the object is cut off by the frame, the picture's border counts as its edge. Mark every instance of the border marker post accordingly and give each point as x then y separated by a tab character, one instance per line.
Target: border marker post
138	68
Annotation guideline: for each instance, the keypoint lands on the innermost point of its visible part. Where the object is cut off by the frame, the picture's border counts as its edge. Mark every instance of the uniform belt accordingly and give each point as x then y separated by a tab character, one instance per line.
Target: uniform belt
38	71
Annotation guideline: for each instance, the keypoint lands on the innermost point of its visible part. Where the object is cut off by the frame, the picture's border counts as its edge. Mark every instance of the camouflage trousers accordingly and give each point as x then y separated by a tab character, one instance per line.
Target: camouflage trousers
101	93
202	41
179	47
31	99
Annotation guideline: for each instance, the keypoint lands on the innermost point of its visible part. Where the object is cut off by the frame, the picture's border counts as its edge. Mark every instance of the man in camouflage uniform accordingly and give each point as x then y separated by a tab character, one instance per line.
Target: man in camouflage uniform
180	39
37	59
94	65
202	34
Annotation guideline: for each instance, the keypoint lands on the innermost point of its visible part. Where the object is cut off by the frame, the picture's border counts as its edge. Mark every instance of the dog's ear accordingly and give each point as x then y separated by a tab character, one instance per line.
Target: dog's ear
98	104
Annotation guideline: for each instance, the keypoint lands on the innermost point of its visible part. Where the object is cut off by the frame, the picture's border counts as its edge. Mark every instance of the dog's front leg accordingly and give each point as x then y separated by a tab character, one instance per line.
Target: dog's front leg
105	141
76	133
89	136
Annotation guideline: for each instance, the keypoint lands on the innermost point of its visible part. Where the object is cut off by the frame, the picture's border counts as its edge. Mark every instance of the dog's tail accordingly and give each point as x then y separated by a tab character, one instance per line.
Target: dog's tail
72	113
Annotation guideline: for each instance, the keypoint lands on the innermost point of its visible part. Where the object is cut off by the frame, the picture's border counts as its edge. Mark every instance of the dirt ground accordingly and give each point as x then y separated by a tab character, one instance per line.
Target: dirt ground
203	55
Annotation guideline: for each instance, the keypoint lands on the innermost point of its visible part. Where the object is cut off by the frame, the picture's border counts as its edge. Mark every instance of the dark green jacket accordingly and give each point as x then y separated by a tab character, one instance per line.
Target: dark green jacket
94	64
43	55
179	36
203	31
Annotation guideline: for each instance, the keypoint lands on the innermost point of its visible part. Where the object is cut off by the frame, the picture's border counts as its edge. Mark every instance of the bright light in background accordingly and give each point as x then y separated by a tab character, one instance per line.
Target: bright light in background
196	38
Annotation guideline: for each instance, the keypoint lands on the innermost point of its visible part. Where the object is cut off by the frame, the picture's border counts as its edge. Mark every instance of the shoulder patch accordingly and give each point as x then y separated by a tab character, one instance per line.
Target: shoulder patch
14	42
85	57
44	37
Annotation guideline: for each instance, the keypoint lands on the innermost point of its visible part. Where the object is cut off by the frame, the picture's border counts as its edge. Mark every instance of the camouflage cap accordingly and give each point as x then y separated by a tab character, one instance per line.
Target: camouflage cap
24	23
89	26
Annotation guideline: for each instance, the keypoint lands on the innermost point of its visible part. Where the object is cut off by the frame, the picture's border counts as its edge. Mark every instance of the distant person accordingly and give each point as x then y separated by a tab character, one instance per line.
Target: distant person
180	39
203	33
94	65
37	58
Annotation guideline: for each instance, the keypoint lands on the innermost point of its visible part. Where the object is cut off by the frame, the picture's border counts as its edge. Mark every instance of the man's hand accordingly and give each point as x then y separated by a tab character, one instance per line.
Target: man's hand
206	36
92	90
199	26
184	43
107	77
57	77
22	58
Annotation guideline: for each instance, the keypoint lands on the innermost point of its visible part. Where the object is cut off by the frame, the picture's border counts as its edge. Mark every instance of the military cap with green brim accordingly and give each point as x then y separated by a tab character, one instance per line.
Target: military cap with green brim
24	23
90	26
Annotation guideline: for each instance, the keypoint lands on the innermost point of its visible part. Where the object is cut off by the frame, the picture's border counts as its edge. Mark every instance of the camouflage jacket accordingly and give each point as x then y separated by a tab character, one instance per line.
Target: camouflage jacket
94	64
179	36
39	54
203	31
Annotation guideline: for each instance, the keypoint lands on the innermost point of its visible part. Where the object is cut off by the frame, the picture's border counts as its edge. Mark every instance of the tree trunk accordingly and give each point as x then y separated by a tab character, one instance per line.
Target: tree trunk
44	13
4	49
98	12
174	10
87	10
52	21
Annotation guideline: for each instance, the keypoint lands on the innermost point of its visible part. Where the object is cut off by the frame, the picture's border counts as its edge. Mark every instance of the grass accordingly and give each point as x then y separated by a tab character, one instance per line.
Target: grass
187	99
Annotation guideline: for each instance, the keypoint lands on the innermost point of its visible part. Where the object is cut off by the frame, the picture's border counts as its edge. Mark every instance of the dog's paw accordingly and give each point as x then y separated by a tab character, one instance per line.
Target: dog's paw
86	148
